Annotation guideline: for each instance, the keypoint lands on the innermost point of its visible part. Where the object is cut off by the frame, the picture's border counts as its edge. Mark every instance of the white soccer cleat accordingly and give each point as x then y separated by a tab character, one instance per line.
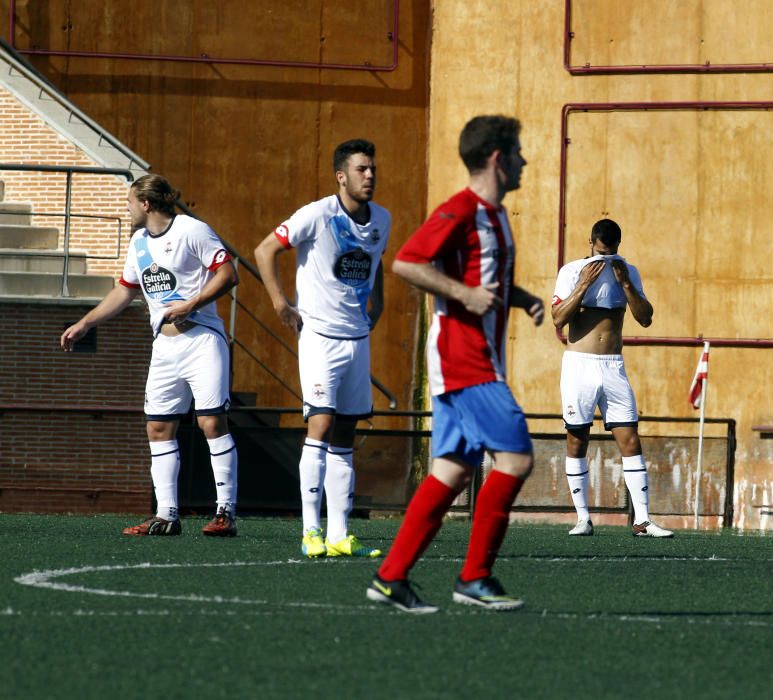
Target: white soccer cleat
649	529
584	528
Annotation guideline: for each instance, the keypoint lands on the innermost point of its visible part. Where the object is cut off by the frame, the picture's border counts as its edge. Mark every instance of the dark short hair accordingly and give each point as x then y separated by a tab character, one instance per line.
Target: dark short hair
606	231
156	191
347	149
485	134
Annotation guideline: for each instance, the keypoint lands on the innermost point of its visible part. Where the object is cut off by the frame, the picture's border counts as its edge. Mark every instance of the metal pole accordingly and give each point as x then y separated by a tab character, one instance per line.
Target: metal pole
232	322
704	388
67	200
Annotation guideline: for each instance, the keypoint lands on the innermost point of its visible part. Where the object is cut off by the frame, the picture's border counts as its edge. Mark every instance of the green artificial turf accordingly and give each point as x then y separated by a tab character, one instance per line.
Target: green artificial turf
609	616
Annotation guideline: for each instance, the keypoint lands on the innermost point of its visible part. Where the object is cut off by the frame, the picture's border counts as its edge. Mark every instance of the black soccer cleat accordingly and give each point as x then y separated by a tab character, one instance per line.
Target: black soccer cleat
398	594
485	592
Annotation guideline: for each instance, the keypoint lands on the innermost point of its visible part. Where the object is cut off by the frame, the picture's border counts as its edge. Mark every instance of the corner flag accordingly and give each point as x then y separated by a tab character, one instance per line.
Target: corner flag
701	376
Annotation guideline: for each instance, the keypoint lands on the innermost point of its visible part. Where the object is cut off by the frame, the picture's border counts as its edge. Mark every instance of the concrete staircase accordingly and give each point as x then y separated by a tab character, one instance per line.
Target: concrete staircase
31	264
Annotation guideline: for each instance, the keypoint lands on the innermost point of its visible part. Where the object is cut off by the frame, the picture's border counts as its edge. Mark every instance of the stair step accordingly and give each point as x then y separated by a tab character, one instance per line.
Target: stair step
26	237
15	213
46	284
16	260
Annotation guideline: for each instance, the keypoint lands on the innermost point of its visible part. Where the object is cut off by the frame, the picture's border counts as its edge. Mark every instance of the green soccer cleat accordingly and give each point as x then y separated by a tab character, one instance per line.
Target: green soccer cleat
313	545
350	547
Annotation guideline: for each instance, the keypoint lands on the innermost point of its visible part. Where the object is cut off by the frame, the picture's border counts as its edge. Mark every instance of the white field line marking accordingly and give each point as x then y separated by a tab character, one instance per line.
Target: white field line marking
43	579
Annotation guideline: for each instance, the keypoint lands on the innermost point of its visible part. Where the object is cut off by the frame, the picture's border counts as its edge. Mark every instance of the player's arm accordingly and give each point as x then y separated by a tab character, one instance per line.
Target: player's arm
117	299
564	310
377	297
521	299
224	279
266	255
640	308
478	300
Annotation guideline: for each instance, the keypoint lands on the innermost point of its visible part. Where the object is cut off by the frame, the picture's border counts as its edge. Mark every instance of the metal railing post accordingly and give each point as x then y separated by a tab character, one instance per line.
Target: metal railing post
67	202
234	301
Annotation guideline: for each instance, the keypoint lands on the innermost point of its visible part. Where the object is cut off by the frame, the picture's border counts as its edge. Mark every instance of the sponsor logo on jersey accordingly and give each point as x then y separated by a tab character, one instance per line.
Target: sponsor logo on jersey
221	256
158	281
353	267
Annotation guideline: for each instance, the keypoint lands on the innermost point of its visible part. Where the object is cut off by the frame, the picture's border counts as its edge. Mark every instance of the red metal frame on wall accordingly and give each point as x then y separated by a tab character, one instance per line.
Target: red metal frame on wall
393	37
647	106
706	67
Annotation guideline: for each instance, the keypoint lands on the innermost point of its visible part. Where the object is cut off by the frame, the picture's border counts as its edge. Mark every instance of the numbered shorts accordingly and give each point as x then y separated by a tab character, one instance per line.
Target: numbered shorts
469	421
588	381
335	375
192	365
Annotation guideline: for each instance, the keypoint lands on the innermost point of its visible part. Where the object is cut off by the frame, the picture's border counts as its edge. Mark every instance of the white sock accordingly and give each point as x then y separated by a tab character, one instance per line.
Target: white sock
225	463
577	476
339	490
164	468
312	472
635	474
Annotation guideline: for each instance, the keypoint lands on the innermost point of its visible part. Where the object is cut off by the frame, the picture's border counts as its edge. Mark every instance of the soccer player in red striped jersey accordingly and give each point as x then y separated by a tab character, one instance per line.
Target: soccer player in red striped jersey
464	255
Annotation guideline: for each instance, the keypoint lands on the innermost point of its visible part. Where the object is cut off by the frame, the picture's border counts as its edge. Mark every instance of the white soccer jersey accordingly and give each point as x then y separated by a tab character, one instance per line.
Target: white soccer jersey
336	264
175	266
605	292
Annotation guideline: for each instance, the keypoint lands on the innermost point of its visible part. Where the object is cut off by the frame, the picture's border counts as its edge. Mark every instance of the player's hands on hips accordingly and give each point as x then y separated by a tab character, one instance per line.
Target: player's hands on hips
290	317
178	311
72	335
536	310
480	300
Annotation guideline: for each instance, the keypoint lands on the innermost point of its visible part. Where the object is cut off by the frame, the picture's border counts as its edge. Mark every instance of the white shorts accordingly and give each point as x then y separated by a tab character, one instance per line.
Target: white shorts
588	381
192	365
335	375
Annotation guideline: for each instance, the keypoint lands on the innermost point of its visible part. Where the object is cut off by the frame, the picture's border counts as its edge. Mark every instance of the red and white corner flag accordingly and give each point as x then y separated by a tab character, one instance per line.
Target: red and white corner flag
701	376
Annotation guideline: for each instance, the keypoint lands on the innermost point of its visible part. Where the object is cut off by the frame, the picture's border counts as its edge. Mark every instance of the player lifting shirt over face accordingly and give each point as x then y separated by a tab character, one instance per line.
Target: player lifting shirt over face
339	241
591	296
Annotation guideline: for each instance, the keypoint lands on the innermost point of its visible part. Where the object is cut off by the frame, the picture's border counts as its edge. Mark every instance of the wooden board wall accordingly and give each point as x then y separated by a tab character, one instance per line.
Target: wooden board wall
248	145
692	192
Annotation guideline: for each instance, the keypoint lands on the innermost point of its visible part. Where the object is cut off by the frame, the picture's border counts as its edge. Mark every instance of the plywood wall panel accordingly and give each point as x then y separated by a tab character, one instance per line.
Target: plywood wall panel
659	174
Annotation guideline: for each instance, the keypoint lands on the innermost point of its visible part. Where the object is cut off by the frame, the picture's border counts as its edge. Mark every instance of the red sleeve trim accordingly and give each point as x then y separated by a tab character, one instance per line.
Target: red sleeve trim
282	235
128	284
555	301
221	258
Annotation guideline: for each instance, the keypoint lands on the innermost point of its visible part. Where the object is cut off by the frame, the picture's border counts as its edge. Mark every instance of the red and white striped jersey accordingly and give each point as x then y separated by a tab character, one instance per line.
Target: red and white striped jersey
469	240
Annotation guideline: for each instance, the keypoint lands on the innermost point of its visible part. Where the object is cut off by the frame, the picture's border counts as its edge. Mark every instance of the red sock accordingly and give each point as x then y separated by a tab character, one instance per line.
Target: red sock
489	523
421	523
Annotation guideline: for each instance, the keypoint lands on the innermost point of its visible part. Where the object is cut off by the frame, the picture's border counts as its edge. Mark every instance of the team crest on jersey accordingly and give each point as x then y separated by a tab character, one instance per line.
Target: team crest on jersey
570	411
168	248
375	236
157	281
318	391
353	267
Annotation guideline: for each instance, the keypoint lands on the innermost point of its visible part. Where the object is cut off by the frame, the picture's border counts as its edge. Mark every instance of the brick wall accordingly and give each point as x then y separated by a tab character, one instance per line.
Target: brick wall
27	139
57	460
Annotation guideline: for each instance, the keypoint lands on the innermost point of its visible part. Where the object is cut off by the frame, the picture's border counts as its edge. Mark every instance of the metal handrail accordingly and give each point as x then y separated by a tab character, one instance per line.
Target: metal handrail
29	71
69	171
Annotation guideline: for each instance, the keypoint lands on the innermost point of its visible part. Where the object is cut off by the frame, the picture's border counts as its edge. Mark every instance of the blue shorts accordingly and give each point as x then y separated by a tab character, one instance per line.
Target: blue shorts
469	421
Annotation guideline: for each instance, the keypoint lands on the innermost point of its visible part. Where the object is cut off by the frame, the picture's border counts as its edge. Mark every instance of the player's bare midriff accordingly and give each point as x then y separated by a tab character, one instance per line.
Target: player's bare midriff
596	331
172	329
